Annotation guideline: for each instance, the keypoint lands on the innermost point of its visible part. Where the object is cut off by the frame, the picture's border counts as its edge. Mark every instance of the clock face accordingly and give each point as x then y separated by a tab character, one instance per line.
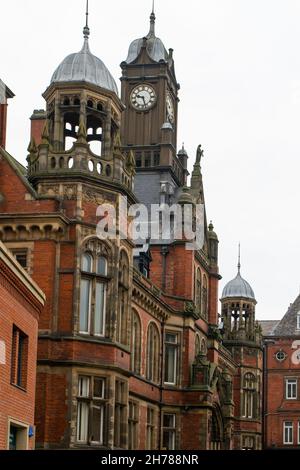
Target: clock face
143	97
170	109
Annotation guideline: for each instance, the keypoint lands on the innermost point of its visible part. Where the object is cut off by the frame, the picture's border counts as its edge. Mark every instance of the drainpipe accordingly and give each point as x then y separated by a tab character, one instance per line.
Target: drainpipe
161	384
265	390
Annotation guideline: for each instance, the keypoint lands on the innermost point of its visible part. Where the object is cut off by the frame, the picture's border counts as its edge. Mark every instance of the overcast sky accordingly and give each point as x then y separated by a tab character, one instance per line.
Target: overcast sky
238	64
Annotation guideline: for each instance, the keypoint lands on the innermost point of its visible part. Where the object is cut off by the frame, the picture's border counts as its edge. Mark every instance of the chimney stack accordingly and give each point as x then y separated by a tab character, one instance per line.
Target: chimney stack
5	94
38	120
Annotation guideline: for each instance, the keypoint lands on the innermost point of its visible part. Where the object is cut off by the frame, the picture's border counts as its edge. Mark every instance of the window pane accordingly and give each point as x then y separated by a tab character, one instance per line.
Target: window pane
169	440
98	388
21	257
102	266
85	300
83	386
82	422
20	368
288	432
99	318
291	388
86	264
171	338
97	424
169	421
170	364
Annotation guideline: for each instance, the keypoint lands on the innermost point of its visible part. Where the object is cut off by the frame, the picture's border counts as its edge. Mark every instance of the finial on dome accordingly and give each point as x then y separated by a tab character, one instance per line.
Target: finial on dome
239	259
86	29
152	20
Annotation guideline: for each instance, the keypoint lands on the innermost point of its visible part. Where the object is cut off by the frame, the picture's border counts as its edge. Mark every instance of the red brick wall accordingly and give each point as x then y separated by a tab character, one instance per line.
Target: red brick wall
14	191
15	403
37	127
278	408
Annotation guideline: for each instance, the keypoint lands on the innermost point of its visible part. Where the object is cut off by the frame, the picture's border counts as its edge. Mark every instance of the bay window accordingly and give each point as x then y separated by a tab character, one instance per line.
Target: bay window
90	410
93	293
169	431
171	358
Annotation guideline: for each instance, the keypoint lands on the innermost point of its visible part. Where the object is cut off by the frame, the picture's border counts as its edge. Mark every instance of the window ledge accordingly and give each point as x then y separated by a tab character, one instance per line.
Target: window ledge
19	387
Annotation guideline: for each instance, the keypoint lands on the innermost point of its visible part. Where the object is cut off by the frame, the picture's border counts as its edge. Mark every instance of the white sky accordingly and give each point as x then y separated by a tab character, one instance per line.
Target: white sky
238	64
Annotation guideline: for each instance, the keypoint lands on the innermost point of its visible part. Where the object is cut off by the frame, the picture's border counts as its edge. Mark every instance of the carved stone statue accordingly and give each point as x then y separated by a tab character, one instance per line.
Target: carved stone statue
200	154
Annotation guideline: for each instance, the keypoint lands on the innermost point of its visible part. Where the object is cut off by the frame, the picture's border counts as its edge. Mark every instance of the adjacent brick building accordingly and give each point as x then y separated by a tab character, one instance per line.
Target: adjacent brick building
131	353
21	304
282	380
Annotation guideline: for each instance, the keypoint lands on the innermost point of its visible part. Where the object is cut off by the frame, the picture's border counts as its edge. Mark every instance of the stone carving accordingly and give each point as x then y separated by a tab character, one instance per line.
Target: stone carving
70	192
52	190
200	154
90	195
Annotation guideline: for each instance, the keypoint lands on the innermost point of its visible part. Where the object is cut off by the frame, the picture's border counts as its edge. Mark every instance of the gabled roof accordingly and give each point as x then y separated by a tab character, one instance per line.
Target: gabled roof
268	326
288	325
6	91
19	169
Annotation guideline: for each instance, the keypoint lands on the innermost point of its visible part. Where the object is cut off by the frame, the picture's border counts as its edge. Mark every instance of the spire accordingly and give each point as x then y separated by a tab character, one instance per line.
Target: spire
86	29
45	133
152	21
239	259
32	146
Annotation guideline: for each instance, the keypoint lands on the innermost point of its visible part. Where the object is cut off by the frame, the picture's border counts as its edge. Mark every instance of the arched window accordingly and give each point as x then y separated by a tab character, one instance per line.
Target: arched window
136	335
249	396
70	129
95	134
153	367
90	104
93	293
198	289
122	318
204	309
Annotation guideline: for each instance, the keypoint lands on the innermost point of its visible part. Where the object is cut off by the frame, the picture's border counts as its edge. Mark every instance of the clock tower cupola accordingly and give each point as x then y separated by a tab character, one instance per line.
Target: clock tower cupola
149	122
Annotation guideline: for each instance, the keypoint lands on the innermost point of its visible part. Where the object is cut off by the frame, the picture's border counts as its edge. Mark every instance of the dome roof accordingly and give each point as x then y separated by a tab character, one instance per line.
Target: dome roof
83	66
182	152
154	46
238	287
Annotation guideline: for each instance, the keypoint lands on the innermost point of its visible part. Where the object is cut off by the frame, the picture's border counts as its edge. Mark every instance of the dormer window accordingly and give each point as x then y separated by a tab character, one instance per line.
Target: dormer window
298	321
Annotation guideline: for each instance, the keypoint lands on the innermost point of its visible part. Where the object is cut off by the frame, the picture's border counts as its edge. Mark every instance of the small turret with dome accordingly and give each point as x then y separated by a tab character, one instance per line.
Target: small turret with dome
82	122
238	288
238	309
154	46
83	66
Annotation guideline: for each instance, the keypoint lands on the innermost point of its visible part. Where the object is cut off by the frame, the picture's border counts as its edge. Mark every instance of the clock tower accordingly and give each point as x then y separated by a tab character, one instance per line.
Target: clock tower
149	124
